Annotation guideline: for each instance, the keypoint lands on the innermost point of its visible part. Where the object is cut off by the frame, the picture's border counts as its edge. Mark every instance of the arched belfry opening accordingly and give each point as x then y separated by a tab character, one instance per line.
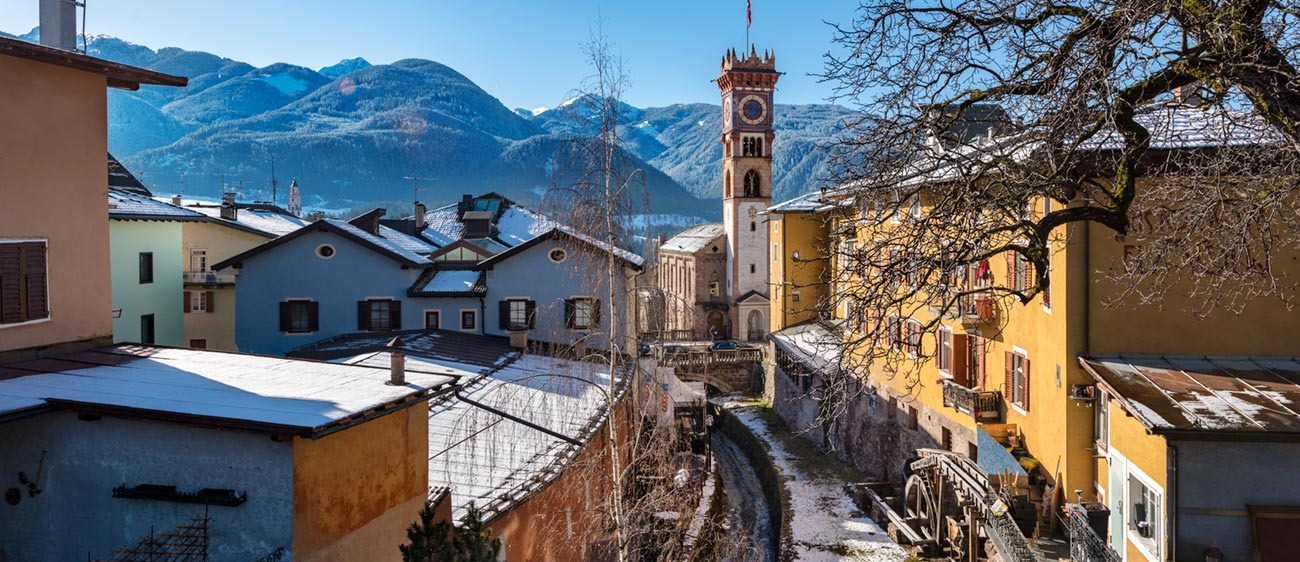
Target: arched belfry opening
753	184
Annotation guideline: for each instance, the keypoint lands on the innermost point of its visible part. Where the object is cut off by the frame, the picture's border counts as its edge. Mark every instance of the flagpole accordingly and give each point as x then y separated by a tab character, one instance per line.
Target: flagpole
749	20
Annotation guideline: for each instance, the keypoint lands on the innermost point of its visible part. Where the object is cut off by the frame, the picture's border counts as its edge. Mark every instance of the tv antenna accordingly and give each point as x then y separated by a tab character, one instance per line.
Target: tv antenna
415	190
274	183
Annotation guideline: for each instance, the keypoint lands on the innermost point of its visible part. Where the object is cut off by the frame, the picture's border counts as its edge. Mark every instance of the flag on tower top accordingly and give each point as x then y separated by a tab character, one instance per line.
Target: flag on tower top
749	14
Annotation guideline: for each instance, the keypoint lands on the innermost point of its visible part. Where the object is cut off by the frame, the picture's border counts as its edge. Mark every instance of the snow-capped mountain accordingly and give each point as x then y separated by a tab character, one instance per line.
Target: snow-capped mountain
352	131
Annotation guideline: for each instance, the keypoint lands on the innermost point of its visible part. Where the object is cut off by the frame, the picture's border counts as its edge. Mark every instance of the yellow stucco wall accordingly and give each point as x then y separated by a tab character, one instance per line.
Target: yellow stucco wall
806	233
53	146
356	491
221	242
1141	450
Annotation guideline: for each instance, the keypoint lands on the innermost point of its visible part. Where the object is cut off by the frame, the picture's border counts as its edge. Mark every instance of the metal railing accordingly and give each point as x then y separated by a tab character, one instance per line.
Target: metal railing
1085	544
209	277
983	405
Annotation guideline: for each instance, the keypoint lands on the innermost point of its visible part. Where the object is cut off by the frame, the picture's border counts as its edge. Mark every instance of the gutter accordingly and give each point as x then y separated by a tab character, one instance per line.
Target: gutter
407	402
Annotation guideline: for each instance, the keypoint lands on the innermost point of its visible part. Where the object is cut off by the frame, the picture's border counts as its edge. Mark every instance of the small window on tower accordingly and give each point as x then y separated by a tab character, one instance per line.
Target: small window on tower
753	268
753	226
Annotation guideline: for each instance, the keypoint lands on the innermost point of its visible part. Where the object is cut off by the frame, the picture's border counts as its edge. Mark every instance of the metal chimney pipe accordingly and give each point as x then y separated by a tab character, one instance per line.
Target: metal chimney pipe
59	24
398	374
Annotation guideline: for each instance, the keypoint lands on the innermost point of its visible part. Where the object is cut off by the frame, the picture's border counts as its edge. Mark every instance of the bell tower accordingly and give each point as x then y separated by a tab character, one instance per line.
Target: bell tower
747	84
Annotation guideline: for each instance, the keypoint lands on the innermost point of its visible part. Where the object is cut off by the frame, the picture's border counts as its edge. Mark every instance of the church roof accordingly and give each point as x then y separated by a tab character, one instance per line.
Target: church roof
694	239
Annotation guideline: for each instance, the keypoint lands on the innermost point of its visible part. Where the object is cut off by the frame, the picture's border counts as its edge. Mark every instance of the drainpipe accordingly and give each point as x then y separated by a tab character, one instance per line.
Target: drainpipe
1171	476
482	316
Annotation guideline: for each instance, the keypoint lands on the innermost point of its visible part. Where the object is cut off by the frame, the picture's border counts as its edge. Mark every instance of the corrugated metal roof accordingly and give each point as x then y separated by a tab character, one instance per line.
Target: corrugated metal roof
1198	393
694	239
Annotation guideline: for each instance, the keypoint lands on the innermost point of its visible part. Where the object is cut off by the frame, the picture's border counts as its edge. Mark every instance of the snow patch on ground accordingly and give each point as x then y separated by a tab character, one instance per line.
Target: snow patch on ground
287	84
826	525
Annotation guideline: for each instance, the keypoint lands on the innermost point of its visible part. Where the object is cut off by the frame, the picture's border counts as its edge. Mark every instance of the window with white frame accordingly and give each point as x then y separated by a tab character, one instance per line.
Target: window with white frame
1018	379
913	338
915	207
943	355
1101	421
582	313
198	260
198	301
1145	516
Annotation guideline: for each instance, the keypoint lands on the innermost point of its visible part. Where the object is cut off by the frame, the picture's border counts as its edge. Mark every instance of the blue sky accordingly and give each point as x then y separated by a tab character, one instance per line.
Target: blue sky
527	54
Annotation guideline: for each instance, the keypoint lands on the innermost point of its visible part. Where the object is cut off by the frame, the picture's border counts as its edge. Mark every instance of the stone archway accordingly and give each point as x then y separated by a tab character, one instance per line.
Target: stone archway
716	327
755	326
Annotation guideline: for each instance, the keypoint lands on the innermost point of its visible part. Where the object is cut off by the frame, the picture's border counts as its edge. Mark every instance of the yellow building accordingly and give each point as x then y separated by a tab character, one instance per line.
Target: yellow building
999	375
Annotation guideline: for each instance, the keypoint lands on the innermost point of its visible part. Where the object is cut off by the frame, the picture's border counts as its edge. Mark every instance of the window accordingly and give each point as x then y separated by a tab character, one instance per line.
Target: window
581	313
199	344
198	301
715	288
146	329
915	207
1101	421
1047	289
1144	514
975	361
913	418
753	183
517	314
325	251
946	440
1019	272
794	296
1017	383
24	293
943	355
913	338
198	260
432	319
557	255
299	316
753	268
468	320
892	328
379	315
753	226
146	268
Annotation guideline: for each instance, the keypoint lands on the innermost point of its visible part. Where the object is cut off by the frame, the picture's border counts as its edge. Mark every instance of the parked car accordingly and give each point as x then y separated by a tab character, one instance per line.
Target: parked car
642	349
724	344
675	349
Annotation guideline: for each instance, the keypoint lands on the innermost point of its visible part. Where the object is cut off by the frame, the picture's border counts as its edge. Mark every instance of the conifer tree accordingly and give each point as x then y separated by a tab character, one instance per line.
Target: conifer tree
438	541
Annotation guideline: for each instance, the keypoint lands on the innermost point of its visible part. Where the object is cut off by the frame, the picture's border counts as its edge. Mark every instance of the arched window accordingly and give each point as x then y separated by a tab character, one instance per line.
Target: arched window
758	148
752	181
726	184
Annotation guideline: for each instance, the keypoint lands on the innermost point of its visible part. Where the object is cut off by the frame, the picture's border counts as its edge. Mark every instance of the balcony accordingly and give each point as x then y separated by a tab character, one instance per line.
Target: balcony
983	405
209	278
977	310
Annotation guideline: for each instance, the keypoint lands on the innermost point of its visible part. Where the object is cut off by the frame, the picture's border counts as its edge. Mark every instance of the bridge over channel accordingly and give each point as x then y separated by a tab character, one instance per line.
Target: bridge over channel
728	370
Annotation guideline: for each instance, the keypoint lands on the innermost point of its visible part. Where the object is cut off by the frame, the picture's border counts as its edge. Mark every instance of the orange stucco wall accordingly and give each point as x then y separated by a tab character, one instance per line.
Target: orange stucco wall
356	491
53	142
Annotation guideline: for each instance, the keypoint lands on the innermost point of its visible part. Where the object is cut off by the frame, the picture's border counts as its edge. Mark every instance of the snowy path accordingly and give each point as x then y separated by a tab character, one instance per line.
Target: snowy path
825	525
750	535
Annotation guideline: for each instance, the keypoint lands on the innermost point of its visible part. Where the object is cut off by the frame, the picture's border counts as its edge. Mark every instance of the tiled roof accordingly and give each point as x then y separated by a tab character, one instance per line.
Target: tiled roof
694	239
217	387
1195	393
126	205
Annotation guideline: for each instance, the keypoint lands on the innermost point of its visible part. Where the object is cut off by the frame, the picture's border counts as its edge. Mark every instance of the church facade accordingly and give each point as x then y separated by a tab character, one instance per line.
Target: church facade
732	303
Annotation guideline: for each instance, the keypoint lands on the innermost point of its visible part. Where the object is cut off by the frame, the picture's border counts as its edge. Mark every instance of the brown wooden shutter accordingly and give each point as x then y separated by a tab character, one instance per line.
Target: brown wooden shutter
363	316
978	361
1010	384
188	305
394	314
503	312
530	313
285	323
958	345
34	274
1024	405
11	284
1011	270
207	301
313	316
570	313
595	313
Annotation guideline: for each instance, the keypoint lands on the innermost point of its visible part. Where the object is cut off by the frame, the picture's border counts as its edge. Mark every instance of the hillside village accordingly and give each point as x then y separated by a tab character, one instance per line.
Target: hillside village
843	374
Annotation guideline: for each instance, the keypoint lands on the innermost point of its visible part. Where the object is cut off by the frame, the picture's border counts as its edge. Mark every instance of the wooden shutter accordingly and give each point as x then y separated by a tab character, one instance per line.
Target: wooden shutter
570	313
1011	270
503	313
957	360
285	322
1024	391
34	274
188	306
394	314
313	316
207	301
1010	384
11	284
530	313
977	374
595	313
363	316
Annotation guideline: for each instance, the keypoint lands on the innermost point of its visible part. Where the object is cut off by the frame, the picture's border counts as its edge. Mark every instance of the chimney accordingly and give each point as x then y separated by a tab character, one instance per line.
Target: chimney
228	209
397	363
176	200
59	24
466	203
419	216
317	216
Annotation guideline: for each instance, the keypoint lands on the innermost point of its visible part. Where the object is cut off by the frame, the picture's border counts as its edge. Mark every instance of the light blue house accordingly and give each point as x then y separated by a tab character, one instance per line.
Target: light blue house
485	265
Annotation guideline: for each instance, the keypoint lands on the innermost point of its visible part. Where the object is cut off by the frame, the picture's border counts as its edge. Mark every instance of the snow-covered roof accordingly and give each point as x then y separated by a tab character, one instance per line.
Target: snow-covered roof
240	390
391	240
495	462
518	225
694	239
815	345
1197	393
1180	126
806	202
450	282
270	223
126	205
443	222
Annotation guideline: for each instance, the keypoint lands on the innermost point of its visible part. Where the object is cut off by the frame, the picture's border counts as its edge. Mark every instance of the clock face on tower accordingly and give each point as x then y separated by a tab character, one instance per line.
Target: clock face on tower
753	109
726	113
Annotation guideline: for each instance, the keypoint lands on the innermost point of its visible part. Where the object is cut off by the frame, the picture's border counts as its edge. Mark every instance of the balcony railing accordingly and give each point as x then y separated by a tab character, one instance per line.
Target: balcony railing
209	278
1086	542
713	357
976	310
983	405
